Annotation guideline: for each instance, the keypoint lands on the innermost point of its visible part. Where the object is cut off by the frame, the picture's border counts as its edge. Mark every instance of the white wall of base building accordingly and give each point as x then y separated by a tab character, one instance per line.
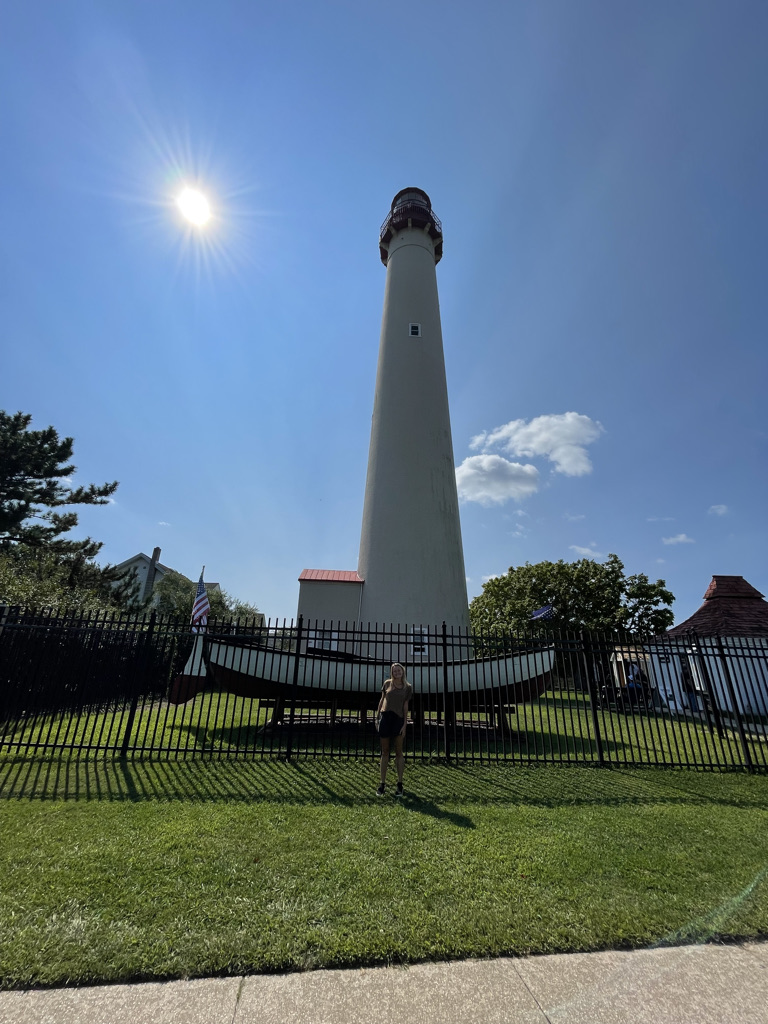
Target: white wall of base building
744	659
330	612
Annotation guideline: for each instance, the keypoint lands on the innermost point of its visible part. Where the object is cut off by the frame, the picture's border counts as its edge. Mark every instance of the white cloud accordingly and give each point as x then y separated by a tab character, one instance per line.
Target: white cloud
680	538
717	510
660	519
493	576
163	523
562	438
661	561
586	552
572	519
492	480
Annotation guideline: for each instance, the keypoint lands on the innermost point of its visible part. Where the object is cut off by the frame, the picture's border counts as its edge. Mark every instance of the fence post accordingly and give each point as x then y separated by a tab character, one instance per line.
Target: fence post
591	684
735	705
294	687
141	664
446	733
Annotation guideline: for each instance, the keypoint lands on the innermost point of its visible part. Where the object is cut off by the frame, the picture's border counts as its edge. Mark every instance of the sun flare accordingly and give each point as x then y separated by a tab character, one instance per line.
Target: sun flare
194	206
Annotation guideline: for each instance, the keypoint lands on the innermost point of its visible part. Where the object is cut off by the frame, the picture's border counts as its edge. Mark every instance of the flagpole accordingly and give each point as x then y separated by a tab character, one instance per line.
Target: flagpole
201	606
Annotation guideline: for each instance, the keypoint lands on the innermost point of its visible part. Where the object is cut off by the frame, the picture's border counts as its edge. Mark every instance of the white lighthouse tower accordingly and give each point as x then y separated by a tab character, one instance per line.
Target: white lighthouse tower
411	556
411	565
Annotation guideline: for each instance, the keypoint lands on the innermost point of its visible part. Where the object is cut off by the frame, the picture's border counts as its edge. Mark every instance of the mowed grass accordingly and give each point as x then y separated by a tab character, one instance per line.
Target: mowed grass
211	721
559	726
112	871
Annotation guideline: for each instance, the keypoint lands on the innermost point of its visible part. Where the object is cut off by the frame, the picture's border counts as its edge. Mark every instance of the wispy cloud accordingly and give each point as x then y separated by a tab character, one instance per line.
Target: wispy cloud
586	552
492	480
660	519
561	437
680	538
572	519
661	561
163	523
493	576
717	510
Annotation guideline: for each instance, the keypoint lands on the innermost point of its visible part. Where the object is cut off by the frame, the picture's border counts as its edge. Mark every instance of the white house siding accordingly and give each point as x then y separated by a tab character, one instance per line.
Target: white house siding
329	601
746	660
140	564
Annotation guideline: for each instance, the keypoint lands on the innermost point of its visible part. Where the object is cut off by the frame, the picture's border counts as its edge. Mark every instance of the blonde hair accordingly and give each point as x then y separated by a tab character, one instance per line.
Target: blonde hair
396	664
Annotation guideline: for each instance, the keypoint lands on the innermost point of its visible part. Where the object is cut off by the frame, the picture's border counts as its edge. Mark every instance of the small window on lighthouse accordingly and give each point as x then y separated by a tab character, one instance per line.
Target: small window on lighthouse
414	330
419	641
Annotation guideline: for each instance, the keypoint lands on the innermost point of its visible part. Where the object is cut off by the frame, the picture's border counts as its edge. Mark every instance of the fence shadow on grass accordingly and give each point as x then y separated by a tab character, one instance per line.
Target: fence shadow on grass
434	789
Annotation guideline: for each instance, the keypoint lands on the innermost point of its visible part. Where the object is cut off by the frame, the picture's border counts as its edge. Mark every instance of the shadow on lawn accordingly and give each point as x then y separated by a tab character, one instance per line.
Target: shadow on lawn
434	788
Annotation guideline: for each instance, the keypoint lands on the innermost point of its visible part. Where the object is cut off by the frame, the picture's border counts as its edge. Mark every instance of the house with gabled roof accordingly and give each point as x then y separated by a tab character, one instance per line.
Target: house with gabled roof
149	572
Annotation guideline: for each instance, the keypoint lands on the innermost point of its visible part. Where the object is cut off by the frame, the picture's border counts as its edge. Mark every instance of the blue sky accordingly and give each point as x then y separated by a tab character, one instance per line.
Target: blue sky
600	170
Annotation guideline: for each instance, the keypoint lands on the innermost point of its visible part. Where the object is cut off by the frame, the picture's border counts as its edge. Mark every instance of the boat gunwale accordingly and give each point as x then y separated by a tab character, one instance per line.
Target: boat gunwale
230	641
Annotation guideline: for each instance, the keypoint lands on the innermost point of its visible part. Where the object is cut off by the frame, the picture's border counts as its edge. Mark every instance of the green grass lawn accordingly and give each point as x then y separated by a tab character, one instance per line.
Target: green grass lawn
113	871
557	727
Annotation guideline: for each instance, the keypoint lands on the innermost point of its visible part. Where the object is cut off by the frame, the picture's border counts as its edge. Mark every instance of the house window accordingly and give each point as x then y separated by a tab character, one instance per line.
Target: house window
419	642
323	640
414	330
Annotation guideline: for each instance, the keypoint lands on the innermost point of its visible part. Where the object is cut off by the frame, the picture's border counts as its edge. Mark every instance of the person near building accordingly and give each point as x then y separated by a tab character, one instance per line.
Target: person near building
689	686
392	715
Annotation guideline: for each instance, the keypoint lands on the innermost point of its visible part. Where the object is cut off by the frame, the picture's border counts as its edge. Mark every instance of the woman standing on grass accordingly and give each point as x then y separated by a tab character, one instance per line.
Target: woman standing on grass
393	708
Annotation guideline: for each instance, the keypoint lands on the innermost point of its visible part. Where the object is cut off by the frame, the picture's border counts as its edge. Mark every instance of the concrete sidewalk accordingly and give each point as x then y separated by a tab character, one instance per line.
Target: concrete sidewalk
685	985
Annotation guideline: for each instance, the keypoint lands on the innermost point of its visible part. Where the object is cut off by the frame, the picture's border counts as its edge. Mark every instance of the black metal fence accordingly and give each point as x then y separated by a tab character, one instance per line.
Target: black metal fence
146	686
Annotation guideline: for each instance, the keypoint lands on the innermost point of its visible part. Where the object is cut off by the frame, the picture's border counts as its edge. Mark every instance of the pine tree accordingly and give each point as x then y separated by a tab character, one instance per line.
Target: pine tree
34	469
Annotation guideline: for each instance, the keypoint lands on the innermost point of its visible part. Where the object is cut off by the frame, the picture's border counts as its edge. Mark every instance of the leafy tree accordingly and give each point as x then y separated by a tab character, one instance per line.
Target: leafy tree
34	469
644	610
38	578
584	595
174	594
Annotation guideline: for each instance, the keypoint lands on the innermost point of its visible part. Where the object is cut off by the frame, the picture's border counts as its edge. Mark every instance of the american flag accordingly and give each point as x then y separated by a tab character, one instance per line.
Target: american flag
547	612
200	608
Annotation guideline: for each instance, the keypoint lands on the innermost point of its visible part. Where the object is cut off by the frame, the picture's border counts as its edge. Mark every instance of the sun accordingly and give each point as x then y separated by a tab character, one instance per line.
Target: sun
194	206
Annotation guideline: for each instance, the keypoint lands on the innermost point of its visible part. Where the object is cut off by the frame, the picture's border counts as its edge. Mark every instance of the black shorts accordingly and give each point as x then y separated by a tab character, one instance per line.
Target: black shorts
390	725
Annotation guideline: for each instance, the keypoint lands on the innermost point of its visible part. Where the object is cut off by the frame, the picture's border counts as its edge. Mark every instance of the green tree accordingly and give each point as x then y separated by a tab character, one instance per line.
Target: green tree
584	595
38	565
38	578
174	594
34	470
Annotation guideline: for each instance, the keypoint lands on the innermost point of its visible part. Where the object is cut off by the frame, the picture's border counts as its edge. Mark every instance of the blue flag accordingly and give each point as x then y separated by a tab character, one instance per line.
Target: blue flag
547	612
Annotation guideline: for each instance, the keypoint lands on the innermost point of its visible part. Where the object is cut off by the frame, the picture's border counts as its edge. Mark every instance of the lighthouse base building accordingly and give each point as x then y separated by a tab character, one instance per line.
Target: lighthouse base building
411	566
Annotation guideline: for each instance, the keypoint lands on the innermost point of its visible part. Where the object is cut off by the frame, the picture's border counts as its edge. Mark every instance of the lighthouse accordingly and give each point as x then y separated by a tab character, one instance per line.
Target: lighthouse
411	563
411	557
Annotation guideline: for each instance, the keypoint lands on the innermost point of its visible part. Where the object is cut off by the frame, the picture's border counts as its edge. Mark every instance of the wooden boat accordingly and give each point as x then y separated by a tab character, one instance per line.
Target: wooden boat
257	670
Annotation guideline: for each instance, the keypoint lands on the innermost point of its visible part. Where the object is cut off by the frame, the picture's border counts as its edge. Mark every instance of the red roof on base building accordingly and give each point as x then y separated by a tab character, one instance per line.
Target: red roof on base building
732	607
330	575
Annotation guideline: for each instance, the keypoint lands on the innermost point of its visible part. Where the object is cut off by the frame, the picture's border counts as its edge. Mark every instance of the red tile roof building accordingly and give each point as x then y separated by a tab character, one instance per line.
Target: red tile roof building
732	607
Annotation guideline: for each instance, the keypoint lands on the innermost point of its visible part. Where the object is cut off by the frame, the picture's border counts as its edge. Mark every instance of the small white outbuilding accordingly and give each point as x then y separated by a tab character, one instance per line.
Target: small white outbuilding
719	656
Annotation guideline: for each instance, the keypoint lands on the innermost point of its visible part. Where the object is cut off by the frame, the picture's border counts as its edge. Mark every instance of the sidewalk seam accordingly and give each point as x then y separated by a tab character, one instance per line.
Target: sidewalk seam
532	994
237	997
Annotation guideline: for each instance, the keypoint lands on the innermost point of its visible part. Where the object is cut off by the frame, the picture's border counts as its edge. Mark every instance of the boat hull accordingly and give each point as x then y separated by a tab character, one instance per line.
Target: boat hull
260	672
